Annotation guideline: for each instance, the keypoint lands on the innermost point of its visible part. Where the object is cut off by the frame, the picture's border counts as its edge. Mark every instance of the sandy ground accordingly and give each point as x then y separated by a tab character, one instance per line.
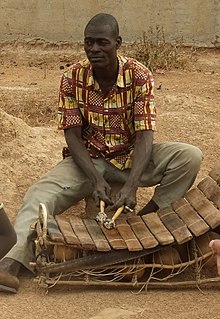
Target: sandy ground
187	102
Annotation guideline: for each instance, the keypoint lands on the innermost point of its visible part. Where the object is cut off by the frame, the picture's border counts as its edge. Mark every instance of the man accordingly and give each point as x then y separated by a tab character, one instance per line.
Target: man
107	112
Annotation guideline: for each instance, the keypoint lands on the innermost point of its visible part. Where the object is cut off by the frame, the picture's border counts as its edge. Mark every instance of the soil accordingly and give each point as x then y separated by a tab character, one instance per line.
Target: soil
187	102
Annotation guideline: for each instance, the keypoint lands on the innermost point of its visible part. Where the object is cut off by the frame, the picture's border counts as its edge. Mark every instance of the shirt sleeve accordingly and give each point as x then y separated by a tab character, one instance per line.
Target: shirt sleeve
69	114
144	106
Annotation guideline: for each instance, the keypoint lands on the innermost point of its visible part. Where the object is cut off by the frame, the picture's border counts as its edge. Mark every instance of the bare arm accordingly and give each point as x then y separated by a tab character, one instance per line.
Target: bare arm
141	156
82	158
8	236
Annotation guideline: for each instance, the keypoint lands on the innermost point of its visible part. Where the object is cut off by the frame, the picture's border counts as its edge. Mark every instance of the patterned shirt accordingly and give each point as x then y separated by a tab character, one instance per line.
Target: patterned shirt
108	122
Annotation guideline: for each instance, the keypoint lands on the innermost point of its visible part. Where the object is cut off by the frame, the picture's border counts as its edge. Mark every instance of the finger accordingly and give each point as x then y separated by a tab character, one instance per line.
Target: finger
107	200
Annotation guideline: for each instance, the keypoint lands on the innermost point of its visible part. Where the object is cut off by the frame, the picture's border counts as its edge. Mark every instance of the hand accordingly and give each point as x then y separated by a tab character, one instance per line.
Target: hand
102	192
126	197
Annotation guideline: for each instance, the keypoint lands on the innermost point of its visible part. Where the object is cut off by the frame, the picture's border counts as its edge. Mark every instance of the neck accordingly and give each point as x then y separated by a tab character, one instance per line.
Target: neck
107	74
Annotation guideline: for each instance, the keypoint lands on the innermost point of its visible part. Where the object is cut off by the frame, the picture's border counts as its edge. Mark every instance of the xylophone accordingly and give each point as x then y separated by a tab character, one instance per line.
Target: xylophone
154	250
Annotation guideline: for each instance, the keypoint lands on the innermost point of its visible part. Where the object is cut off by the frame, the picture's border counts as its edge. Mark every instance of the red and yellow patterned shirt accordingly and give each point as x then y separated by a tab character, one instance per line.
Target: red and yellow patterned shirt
108	122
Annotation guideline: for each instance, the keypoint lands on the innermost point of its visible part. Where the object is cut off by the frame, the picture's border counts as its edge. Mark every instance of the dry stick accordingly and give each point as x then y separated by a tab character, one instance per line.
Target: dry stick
137	284
102	206
118	213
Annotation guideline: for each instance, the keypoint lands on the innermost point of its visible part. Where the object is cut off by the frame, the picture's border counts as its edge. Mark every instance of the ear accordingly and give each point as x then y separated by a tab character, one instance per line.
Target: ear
118	42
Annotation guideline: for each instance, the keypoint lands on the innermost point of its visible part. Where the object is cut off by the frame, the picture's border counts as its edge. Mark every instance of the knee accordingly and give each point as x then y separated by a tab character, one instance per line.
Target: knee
192	156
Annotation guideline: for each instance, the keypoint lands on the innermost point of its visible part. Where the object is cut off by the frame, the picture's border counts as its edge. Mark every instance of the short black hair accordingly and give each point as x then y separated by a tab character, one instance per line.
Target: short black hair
105	19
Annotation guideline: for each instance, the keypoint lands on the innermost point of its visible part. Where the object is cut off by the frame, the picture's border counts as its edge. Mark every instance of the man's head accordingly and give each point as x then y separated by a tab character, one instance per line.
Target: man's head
102	40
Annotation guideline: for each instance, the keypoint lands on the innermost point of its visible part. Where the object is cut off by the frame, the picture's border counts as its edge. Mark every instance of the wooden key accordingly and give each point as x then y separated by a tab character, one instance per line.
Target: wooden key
97	235
193	221
204	207
158	229
67	231
175	225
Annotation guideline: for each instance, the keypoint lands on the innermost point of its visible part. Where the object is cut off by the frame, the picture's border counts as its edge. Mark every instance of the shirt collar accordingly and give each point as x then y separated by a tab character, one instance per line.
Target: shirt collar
120	79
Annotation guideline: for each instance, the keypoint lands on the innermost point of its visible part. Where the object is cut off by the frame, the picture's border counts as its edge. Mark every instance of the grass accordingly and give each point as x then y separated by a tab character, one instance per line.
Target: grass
156	53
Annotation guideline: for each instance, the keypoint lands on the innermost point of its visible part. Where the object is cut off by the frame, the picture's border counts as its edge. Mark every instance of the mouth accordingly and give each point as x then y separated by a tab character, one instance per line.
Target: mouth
95	59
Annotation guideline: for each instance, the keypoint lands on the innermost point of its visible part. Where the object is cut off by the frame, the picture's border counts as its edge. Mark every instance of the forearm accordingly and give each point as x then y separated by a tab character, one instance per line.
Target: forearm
140	157
80	155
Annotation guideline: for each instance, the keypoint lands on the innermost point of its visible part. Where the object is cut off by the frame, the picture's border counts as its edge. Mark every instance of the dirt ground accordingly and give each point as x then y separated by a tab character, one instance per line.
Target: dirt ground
187	102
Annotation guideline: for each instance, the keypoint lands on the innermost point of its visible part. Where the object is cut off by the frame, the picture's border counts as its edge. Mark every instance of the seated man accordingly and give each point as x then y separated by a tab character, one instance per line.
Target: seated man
107	112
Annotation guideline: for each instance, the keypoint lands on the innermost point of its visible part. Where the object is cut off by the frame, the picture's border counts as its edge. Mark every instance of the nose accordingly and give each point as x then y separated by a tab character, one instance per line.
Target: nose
94	47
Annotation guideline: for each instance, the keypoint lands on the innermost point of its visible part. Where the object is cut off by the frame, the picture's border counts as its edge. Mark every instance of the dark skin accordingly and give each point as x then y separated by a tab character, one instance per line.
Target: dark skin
102	190
101	49
101	44
8	236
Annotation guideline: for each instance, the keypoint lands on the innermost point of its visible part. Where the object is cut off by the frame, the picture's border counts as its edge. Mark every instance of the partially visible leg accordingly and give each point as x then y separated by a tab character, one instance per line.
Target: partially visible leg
63	186
150	207
60	188
173	168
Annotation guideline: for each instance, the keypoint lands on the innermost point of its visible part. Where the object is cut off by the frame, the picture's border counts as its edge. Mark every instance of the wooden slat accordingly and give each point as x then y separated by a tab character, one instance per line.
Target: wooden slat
211	190
97	235
127	234
193	221
215	174
142	232
204	207
158	229
67	231
114	238
82	233
54	231
175	225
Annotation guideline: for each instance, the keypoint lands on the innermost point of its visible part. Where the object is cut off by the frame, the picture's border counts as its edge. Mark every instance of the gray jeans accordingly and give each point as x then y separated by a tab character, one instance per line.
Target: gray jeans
173	168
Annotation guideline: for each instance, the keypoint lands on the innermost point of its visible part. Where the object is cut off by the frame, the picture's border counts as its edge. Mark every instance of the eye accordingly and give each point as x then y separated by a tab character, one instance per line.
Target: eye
103	42
87	42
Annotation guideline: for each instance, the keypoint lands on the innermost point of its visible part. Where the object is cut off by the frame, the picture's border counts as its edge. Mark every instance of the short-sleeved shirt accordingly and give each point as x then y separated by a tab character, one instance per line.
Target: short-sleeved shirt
108	123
